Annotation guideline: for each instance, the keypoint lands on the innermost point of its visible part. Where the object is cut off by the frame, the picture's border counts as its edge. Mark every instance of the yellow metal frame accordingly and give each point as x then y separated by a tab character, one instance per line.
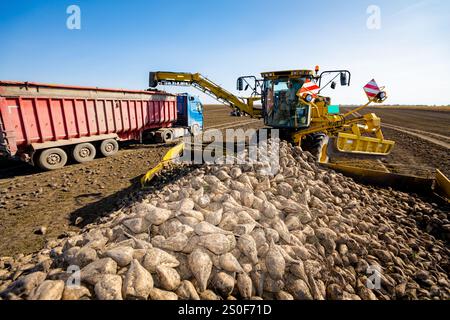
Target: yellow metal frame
442	185
352	143
349	133
243	104
273	75
171	155
439	185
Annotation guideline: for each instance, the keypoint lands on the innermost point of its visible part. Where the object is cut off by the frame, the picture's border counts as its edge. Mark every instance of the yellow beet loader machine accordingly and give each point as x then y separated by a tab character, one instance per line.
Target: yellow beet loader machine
291	102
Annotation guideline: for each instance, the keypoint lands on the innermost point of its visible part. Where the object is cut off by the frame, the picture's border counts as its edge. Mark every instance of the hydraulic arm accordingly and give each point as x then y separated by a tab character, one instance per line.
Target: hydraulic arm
206	86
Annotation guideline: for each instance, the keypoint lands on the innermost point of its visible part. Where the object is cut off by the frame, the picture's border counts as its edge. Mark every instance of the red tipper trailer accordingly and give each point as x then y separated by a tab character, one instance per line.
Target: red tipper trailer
44	124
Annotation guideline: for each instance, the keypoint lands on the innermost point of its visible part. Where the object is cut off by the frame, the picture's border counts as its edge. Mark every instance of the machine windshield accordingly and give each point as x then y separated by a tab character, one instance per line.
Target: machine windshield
283	108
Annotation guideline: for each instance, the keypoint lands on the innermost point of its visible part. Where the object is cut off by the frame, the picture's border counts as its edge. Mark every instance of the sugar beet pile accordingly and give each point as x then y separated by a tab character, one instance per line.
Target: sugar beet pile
229	232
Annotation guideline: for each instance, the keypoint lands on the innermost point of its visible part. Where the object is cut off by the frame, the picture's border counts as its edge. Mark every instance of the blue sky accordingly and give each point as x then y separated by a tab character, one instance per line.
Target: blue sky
121	41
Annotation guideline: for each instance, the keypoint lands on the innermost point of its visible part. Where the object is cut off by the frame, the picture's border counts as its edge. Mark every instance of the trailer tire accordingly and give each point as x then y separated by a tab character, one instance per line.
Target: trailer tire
109	147
52	159
84	152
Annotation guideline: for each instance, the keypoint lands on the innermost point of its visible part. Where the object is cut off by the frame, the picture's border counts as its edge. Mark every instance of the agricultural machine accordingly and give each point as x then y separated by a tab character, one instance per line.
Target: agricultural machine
293	104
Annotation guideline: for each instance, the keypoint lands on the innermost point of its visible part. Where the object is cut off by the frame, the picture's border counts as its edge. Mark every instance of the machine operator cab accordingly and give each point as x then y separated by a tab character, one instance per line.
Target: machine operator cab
281	104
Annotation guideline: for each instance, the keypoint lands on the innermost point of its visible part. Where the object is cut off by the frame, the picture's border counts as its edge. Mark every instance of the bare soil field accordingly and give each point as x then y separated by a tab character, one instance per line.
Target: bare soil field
218	116
67	199
422	139
416	155
426	108
434	121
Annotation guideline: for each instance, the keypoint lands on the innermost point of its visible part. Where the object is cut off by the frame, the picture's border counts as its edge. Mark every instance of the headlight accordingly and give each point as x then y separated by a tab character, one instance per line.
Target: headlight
308	98
382	95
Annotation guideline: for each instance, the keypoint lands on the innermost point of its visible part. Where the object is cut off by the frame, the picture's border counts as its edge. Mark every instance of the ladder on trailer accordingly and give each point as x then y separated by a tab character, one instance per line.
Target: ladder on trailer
4	150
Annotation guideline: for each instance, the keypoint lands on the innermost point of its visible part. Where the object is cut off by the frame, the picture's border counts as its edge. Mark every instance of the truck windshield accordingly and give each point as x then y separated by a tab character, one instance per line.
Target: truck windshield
283	109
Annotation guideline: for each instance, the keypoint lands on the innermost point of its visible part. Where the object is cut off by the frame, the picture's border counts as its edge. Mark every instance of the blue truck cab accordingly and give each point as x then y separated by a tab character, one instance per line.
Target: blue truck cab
190	113
189	119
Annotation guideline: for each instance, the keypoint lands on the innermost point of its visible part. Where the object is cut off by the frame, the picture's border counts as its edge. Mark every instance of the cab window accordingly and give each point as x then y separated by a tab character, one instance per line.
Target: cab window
283	109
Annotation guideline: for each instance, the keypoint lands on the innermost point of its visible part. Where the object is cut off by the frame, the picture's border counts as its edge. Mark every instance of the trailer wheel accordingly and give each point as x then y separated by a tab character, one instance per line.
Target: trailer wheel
52	159
84	152
109	147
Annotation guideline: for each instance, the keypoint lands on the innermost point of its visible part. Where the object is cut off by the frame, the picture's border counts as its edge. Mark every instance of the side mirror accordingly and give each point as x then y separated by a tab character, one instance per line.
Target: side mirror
333	85
240	84
191	98
246	87
344	80
152	82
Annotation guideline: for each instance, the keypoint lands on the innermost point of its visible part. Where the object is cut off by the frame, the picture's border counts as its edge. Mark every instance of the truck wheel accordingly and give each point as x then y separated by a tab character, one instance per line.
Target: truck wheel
317	144
109	147
52	159
84	152
195	130
167	136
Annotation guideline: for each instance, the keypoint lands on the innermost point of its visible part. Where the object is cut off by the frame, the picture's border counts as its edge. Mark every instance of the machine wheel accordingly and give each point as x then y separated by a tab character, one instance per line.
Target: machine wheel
236	113
109	147
317	145
52	159
84	152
